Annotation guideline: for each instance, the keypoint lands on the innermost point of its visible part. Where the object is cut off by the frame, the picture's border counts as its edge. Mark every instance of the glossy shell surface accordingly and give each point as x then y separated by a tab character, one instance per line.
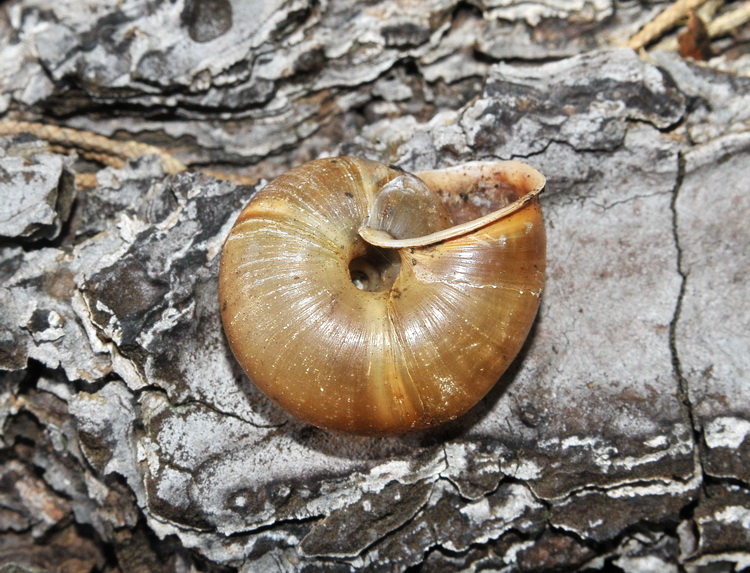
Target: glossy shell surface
405	330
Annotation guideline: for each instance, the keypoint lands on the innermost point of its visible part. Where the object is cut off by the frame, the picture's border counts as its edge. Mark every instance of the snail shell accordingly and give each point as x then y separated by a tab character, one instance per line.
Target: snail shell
352	300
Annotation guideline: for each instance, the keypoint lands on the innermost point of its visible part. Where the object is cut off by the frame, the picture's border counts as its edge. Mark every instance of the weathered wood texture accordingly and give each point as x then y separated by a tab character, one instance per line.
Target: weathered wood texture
132	441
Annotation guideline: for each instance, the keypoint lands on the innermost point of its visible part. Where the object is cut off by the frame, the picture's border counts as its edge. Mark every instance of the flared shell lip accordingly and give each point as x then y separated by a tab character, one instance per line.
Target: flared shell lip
383	239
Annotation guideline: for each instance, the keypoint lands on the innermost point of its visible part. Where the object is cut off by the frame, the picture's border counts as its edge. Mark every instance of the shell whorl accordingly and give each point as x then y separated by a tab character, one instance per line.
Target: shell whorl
404	330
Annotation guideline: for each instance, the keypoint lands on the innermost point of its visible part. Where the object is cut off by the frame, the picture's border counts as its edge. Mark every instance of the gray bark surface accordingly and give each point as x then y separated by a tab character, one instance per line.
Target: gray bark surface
131	439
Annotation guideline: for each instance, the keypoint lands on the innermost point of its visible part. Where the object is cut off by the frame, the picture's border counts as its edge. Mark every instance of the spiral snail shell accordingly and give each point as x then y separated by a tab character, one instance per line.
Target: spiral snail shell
353	300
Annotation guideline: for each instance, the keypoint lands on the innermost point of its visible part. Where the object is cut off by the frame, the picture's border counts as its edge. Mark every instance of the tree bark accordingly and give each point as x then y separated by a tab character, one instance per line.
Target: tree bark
132	440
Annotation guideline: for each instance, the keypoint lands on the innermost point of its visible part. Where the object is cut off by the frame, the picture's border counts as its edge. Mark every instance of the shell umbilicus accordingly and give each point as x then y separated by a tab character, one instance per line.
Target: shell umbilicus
355	300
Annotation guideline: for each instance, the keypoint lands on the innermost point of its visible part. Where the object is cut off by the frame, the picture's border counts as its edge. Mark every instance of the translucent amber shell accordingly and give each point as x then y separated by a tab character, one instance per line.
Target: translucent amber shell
353	301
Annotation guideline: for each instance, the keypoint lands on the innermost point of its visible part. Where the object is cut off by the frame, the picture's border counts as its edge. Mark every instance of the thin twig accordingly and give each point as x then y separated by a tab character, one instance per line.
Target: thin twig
730	20
663	22
97	156
91	142
234	178
107	151
86	180
721	26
